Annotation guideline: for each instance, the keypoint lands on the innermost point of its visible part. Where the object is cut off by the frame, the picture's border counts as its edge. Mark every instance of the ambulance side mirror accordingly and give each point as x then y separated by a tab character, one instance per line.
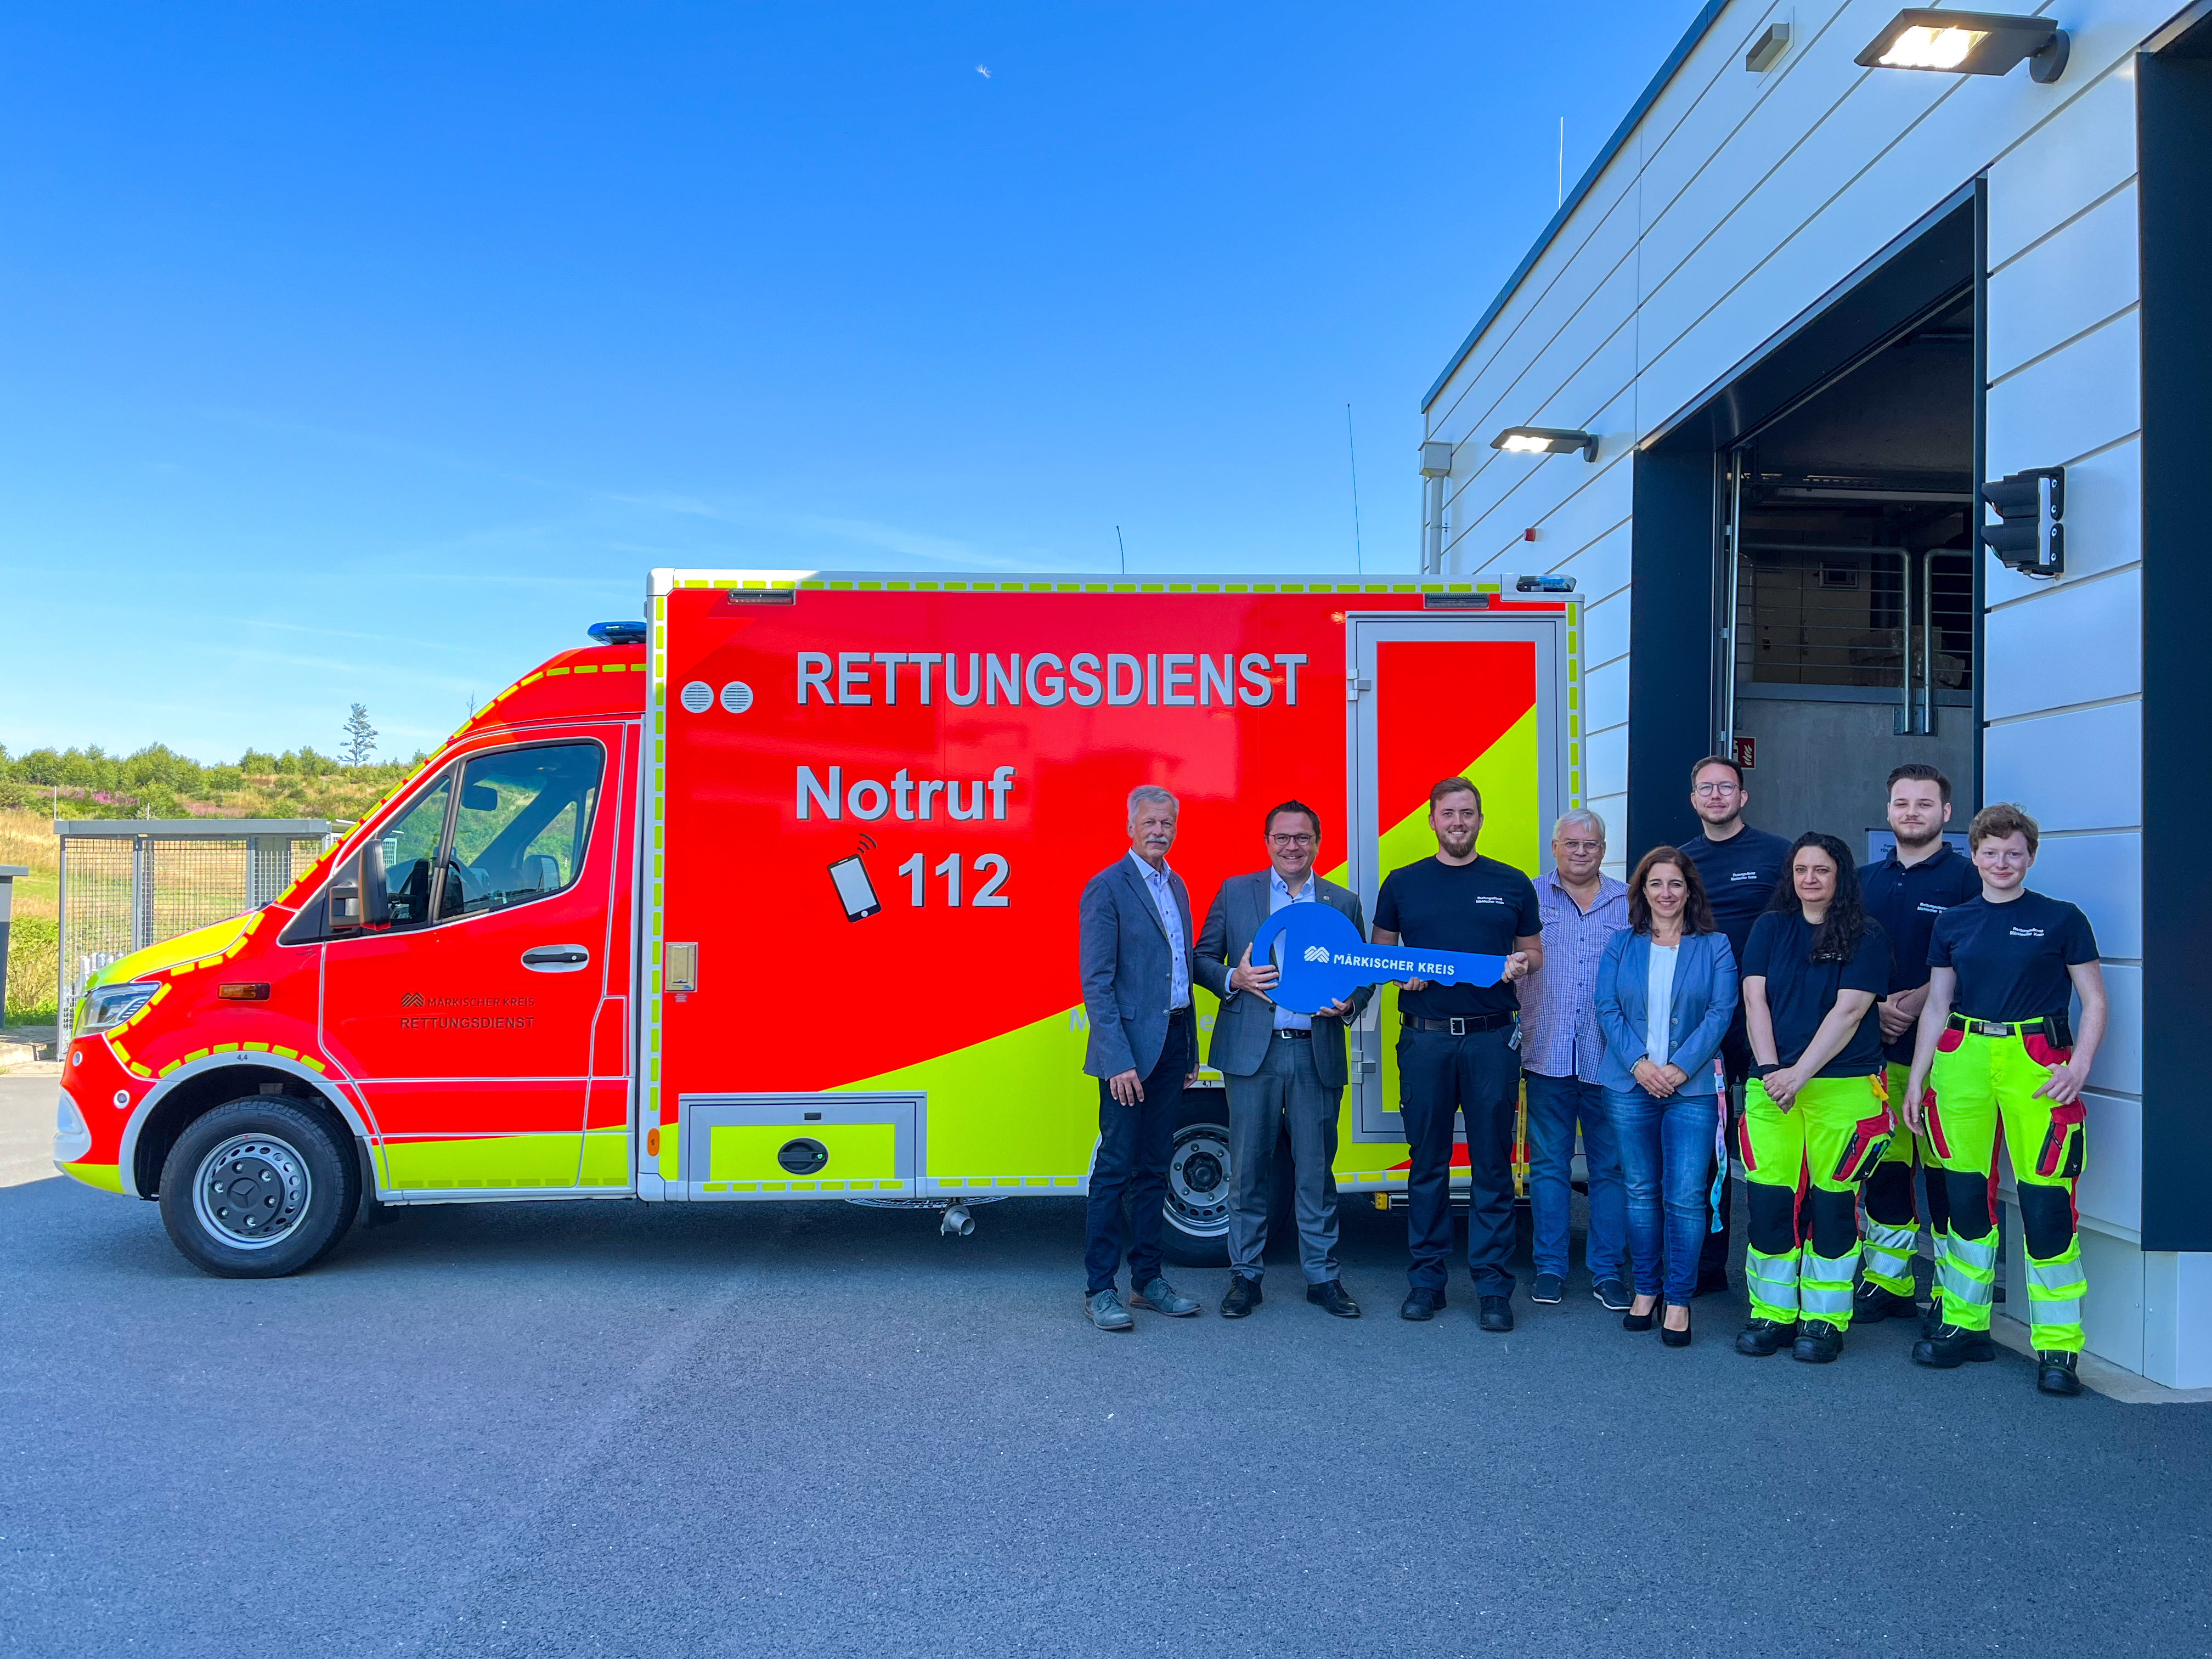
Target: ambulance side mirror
375	893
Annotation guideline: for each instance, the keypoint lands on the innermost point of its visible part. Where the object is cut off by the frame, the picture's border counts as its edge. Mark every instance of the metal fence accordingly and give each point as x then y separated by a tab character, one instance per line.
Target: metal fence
130	883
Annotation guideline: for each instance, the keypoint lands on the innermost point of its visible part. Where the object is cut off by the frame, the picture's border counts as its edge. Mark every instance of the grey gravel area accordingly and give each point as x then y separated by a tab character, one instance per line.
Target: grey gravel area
550	1429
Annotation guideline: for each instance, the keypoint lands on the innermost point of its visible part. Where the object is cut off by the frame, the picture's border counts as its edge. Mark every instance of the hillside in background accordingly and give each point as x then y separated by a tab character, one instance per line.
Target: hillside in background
37	787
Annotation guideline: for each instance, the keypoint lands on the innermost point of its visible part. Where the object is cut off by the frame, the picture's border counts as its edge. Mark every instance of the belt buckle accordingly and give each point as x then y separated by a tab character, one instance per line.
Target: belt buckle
1459	1024
1990	1028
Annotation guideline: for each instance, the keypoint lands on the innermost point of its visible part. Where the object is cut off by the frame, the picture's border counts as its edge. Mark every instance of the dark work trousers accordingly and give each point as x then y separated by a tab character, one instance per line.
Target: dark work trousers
1479	1074
1735	1056
1135	1145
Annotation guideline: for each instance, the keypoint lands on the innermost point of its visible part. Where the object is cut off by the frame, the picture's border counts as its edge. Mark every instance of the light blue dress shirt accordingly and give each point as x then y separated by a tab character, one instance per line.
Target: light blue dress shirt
1162	892
1278	895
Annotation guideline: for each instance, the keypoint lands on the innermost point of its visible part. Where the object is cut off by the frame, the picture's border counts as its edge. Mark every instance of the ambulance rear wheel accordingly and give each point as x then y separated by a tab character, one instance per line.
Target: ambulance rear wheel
258	1189
1194	1209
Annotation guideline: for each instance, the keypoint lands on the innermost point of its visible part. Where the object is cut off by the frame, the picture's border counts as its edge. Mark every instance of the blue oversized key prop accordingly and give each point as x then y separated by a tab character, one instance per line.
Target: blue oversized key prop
1324	960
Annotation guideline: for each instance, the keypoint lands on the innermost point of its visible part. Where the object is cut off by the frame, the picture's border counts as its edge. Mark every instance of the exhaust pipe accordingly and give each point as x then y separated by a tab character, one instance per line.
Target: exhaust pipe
958	1224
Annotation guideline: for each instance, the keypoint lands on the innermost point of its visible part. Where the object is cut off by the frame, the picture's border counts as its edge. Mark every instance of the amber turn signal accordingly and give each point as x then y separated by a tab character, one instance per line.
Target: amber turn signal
243	990
652	1143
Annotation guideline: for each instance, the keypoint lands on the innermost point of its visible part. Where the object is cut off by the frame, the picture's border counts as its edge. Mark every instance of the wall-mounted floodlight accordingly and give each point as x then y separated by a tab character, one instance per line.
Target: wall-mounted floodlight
1544	440
1969	43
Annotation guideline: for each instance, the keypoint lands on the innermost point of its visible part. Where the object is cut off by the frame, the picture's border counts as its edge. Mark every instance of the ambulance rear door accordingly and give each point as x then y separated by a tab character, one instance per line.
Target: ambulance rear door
1487	694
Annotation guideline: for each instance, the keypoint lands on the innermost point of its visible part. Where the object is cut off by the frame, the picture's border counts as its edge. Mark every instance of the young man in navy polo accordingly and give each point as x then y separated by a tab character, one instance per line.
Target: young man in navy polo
1921	877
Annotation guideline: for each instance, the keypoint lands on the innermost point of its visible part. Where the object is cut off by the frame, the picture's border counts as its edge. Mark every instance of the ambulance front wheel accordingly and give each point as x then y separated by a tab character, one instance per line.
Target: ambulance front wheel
258	1189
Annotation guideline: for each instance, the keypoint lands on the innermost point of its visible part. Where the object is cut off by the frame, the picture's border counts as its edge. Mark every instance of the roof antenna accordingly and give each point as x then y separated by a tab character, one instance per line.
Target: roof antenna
1359	555
1124	546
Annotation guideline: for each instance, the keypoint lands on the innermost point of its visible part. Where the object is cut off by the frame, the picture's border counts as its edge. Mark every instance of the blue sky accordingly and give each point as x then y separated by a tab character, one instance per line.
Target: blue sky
368	353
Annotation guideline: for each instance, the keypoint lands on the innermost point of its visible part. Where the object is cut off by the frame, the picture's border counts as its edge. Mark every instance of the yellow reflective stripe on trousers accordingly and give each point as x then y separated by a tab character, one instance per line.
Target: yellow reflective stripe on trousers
1967	1275
1772	1282
1824	1286
2055	1290
1888	1255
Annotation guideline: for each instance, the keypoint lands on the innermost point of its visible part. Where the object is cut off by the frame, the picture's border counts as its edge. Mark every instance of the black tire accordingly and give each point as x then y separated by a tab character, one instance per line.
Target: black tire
259	1188
1194	1232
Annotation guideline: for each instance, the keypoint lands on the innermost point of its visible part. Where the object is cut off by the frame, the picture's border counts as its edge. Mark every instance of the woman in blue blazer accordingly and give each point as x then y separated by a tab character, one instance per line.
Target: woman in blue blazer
1666	992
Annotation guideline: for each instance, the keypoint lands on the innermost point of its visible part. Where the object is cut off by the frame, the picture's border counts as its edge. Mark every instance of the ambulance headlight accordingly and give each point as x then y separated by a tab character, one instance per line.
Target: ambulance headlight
106	1006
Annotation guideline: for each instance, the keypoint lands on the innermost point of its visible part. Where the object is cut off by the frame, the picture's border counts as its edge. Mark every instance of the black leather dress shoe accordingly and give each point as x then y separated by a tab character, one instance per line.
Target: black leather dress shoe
1332	1295
2055	1371
1243	1295
1496	1313
1421	1302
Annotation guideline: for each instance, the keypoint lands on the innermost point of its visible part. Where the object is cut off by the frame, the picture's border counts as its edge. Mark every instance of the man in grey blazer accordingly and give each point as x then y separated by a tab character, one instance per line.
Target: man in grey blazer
1133	933
1284	1071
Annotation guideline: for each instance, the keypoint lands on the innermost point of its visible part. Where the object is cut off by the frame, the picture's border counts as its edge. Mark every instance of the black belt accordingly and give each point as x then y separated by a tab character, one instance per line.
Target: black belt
1293	1034
2042	1025
1459	1024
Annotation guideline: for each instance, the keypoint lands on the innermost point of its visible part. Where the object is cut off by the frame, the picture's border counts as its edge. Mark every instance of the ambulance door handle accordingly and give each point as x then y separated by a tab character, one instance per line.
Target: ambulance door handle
556	960
1352	688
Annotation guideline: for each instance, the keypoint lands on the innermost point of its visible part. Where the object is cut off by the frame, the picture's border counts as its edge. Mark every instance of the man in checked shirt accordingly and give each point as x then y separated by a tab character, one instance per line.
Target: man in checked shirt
1560	1046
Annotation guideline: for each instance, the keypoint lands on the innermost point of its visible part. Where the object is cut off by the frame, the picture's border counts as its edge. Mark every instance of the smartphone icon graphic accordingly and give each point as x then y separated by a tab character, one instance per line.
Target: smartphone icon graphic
855	890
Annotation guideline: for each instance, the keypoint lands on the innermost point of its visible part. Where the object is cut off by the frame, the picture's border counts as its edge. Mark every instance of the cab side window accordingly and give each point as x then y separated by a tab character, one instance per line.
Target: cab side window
410	847
521	826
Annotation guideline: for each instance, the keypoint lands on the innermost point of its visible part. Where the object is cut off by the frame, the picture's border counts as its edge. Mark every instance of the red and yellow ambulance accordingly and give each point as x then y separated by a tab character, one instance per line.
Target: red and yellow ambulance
773	898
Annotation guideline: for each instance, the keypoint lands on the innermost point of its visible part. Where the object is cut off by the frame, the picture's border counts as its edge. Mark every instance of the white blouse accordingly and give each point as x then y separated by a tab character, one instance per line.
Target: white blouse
1659	1001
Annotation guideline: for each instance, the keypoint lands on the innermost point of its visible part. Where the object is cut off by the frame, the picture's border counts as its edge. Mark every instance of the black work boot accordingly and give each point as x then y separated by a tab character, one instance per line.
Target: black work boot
2056	1372
1952	1346
1871	1304
1818	1342
1764	1337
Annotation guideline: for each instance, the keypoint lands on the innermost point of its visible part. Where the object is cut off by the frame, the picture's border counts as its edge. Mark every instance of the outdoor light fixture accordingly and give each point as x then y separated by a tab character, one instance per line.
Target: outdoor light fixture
1544	440
1969	43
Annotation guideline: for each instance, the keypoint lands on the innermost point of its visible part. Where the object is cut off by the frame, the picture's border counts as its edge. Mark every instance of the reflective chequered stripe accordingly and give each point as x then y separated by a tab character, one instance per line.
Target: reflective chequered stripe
2055	1290
1968	1277
1888	1253
1824	1291
1773	1281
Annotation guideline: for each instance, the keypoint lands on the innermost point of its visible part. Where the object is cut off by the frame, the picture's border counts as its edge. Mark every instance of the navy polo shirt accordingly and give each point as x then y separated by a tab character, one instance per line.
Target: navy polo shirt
1800	992
1740	875
1905	899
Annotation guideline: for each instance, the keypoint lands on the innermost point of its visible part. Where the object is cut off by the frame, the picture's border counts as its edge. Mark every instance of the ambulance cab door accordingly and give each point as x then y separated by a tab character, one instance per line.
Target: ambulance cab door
469	1022
1478	694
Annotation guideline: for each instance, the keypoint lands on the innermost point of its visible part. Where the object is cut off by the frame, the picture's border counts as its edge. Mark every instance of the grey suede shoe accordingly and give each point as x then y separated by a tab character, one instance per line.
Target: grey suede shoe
1162	1298
1107	1312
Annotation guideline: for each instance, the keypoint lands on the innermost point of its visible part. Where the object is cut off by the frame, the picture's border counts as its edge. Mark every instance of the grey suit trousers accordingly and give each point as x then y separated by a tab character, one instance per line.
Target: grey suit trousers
1286	1092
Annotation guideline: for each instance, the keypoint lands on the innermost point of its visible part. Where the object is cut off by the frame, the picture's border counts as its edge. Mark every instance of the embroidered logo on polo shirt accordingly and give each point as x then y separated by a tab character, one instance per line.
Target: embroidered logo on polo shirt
1745	875
2027	933
1931	909
1488	898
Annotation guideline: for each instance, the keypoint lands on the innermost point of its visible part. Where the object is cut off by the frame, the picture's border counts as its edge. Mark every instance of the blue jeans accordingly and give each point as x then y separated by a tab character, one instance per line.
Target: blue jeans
1555	1104
1666	1160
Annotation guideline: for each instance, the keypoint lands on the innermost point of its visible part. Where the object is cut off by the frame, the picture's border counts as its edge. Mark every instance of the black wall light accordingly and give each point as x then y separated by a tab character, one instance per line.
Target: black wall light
2030	505
1969	43
1544	440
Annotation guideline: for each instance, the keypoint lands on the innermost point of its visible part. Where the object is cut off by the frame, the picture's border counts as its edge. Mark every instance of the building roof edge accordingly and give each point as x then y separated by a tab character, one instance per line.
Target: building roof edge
1703	21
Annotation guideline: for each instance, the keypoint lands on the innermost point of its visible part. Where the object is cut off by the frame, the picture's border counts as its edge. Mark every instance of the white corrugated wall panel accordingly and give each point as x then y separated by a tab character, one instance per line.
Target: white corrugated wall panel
2035	657
2100	749
2064	286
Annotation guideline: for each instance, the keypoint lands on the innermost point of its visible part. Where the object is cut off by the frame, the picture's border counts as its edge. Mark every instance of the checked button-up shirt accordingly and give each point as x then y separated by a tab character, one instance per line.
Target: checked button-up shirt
1560	1035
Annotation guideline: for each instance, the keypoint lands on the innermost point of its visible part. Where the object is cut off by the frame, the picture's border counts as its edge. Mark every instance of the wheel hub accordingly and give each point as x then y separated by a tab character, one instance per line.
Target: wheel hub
1198	1180
251	1191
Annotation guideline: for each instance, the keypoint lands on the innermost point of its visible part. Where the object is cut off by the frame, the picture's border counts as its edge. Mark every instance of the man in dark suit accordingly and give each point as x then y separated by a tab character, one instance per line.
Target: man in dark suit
1132	932
1286	1071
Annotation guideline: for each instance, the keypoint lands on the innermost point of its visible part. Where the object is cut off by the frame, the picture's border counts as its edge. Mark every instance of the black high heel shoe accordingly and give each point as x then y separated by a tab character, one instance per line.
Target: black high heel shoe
1675	1338
1641	1321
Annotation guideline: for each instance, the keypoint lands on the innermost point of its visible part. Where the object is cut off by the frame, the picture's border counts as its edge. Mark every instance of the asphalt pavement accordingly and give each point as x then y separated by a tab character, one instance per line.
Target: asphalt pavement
615	1428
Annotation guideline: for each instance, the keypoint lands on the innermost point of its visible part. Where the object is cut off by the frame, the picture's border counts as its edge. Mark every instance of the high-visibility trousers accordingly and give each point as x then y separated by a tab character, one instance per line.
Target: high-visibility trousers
1985	1086
1892	1226
1836	1129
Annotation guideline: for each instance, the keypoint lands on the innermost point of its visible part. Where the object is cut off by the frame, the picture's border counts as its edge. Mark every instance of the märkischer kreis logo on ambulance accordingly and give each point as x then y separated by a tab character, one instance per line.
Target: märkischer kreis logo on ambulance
641	867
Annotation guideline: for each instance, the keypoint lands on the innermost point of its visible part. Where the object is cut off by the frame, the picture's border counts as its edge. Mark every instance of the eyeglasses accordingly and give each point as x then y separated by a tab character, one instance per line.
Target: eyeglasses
1716	789
1581	847
1291	840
